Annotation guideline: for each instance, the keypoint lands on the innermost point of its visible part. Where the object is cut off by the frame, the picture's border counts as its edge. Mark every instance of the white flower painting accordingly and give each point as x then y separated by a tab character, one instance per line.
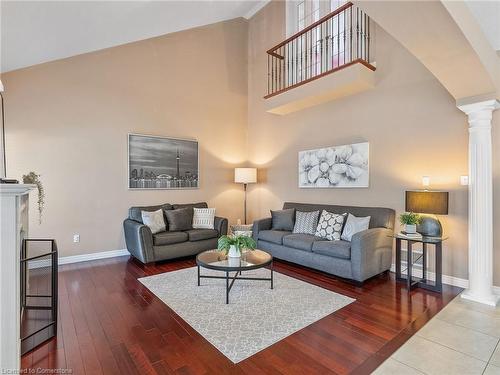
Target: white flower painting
340	166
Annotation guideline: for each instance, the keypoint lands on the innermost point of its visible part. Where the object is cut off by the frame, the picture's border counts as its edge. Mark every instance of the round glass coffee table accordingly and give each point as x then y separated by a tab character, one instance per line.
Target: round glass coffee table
250	260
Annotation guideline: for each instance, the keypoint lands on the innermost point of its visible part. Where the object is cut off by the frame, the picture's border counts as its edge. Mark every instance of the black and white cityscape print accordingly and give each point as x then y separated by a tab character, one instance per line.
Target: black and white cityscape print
340	166
162	163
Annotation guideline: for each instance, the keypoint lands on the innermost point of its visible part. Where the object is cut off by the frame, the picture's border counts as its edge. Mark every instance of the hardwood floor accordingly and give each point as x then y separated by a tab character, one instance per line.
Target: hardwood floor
109	323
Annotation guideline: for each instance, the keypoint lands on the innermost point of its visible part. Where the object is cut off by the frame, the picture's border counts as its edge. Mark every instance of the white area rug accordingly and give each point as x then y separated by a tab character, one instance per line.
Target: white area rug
256	316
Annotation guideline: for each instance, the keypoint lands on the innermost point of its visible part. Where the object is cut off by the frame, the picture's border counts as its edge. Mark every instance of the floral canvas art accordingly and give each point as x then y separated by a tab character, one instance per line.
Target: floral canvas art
339	166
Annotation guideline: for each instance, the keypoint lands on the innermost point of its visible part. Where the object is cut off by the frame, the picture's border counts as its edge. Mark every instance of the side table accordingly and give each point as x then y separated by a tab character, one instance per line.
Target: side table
410	279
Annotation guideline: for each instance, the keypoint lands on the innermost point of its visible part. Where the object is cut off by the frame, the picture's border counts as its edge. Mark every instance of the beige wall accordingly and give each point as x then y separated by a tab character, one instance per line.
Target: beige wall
410	120
68	120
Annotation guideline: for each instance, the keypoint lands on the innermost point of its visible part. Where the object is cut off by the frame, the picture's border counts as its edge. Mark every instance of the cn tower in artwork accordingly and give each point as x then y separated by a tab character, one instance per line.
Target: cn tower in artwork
178	158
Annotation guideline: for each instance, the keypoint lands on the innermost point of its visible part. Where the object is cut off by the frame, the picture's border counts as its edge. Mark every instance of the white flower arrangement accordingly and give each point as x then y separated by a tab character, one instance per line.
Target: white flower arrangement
340	166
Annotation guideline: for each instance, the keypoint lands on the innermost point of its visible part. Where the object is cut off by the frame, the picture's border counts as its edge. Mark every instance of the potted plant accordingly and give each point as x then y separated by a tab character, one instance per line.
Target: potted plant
410	220
233	245
34	178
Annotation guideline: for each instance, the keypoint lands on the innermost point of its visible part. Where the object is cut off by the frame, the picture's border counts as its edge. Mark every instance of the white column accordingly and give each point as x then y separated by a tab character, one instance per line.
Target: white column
480	202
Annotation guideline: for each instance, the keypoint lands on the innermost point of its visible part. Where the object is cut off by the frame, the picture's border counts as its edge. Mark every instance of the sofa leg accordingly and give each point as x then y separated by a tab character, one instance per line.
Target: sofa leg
357	283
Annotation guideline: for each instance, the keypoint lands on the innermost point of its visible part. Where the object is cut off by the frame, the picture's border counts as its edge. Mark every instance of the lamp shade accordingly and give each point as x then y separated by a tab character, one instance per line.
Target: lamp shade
245	175
427	202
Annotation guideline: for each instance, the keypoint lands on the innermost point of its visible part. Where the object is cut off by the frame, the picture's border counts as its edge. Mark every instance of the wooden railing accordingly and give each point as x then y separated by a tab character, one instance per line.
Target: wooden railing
336	41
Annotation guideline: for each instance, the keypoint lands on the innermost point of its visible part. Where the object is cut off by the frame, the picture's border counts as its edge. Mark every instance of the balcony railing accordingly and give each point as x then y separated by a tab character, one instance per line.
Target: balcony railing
336	41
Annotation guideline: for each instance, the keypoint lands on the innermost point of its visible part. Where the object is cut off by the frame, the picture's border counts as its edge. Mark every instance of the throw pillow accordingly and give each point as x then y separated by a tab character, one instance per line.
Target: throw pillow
283	219
330	225
306	222
203	218
154	220
354	225
180	219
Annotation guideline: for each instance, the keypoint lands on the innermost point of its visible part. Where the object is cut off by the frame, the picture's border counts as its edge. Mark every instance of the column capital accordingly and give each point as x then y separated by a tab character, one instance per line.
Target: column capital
482	106
479	113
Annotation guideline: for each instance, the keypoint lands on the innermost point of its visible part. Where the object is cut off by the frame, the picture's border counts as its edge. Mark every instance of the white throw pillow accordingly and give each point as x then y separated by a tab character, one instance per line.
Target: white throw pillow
330	225
203	218
154	220
354	225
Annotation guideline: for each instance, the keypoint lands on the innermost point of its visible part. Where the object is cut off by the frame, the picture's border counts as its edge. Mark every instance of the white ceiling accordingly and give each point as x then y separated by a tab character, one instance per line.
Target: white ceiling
487	14
33	32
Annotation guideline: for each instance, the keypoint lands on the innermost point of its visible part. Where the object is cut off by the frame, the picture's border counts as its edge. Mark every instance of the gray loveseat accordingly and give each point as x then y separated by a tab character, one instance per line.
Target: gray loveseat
148	247
367	254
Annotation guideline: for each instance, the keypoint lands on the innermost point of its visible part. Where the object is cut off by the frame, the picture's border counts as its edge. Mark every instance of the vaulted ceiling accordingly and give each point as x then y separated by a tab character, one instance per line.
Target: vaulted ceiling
34	32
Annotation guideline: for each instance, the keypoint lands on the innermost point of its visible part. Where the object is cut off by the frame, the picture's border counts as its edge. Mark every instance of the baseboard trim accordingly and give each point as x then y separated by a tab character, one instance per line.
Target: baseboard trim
92	256
450	280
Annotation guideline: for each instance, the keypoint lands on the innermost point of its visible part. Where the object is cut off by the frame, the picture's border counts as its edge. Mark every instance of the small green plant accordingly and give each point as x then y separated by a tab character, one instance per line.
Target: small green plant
410	218
240	242
34	179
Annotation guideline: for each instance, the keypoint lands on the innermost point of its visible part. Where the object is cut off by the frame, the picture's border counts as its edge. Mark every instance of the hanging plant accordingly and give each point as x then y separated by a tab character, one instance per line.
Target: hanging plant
34	179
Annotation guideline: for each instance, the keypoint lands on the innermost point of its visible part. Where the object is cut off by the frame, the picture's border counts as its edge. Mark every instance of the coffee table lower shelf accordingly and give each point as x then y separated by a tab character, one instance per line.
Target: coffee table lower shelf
237	276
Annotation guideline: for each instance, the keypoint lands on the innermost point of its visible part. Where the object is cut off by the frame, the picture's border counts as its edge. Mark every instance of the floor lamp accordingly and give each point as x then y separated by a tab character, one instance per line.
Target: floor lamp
245	176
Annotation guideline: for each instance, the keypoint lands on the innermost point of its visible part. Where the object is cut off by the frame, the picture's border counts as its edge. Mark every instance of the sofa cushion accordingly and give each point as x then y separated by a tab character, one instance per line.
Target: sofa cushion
179	219
169	238
337	249
283	219
201	234
135	213
203	218
154	220
300	241
306	222
330	226
274	236
354	225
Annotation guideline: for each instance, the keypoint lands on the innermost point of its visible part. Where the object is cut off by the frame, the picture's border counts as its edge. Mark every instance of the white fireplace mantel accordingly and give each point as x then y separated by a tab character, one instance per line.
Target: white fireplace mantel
14	205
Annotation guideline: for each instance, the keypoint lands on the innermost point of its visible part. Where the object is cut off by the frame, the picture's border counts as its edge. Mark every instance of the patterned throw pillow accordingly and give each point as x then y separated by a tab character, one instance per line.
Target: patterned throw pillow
306	222
154	220
203	218
354	225
330	226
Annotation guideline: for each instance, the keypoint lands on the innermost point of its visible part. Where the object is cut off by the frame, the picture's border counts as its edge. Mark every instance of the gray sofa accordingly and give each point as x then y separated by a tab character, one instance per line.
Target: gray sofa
367	254
148	247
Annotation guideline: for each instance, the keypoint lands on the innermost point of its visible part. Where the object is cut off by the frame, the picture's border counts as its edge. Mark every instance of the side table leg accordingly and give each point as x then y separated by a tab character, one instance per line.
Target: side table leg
439	267
409	264
424	262
227	288
198	275
398	258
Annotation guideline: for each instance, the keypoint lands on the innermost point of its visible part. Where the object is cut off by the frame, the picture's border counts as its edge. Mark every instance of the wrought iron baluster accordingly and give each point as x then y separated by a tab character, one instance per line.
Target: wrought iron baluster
350	34
268	75
357	32
344	36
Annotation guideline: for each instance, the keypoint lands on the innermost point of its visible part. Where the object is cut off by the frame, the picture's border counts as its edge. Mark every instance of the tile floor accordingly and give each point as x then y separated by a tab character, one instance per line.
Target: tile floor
462	339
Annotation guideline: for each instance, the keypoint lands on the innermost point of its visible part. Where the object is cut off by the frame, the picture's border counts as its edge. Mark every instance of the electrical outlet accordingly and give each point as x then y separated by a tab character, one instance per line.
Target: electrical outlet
76	238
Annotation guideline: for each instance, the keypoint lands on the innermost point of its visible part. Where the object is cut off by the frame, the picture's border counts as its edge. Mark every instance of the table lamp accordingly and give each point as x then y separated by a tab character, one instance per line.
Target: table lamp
245	176
431	203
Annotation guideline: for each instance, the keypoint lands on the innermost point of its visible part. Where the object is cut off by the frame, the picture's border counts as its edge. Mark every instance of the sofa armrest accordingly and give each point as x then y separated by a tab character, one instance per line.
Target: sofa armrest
371	253
262	224
221	224
139	240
